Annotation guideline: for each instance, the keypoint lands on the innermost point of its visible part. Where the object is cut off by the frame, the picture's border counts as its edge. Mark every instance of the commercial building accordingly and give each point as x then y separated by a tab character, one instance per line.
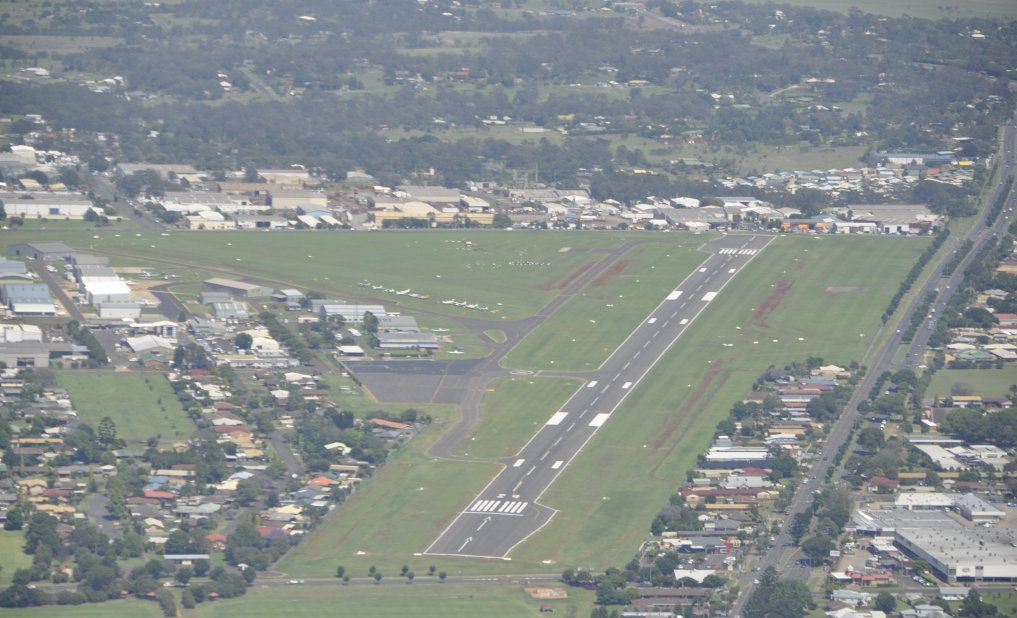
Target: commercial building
404	323
40	205
35	354
290	199
238	289
977	510
928	501
964	554
28	298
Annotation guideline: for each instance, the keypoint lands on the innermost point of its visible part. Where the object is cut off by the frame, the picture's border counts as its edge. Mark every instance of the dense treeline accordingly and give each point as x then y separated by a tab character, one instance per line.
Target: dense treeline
914	273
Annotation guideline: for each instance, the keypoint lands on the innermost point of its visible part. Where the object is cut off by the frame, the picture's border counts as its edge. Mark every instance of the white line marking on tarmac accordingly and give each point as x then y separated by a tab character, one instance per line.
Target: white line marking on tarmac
465	543
483	523
674	295
606	386
544	456
626	385
651	320
591	384
709	296
599	420
732	270
557	442
570	427
557	418
683	322
518	463
557	464
595	400
531	470
702	270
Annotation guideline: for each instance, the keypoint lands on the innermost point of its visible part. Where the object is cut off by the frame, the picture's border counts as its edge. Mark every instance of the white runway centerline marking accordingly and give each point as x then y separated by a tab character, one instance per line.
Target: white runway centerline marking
557	418
599	420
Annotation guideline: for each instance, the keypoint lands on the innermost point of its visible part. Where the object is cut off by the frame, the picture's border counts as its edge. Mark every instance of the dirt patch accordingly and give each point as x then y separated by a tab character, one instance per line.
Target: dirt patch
701	389
771	302
834	292
614	271
564	282
547	593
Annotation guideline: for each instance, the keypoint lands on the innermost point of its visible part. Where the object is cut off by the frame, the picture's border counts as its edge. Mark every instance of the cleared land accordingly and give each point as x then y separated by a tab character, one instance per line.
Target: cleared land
511	273
918	8
414	601
12	557
141	405
513	409
394	514
131	608
586	329
993	383
641	456
821	290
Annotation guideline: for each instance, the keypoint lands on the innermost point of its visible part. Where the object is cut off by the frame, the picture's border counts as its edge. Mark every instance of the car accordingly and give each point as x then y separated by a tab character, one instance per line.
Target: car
756	582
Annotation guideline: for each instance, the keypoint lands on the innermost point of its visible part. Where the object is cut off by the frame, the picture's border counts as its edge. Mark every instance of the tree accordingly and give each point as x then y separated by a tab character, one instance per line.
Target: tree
370	323
187	599
502	220
167	603
775	597
340	571
377	577
243	341
247	492
871	438
885	602
974	606
442	575
410	576
178	542
15	519
107	432
183	574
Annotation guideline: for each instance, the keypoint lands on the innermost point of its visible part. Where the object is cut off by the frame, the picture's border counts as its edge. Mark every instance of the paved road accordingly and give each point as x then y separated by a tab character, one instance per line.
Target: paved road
507	511
792	566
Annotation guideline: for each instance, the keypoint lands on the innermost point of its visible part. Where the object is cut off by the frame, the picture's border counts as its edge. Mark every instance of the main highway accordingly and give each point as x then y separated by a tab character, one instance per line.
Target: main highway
789	561
508	510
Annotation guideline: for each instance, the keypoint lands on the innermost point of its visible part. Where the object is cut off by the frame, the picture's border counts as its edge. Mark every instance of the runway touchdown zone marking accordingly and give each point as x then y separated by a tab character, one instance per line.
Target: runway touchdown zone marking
557	418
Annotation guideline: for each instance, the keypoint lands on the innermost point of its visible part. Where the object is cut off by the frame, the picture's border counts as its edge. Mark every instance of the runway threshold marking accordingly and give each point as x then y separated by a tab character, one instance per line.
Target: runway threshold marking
709	296
518	463
557	418
674	295
651	321
626	385
557	464
591	384
683	322
599	420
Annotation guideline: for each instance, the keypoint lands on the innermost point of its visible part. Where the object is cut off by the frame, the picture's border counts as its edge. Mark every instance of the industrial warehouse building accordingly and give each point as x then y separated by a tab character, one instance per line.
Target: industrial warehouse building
964	554
99	291
238	289
42	250
45	205
28	299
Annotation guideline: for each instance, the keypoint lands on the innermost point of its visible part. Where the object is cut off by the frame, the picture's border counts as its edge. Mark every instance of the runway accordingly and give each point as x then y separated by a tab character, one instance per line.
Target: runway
507	511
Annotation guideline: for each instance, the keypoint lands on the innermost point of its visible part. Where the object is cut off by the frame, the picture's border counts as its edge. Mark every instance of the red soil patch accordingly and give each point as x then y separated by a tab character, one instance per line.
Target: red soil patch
614	271
770	303
564	282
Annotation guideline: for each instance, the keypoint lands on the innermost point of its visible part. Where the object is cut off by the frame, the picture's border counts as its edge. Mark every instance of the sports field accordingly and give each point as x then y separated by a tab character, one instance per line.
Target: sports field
418	600
989	383
141	404
12	557
587	328
513	410
512	273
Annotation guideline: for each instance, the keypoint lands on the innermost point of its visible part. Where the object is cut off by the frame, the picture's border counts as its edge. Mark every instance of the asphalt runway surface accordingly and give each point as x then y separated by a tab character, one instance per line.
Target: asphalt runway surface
507	511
